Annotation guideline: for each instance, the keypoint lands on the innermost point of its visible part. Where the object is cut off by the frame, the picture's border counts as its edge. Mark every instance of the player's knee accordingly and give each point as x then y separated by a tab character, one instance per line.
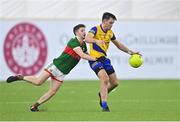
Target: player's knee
38	83
105	80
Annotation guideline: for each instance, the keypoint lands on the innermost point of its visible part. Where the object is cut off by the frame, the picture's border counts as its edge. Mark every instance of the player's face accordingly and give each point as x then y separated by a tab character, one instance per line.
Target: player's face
81	32
109	23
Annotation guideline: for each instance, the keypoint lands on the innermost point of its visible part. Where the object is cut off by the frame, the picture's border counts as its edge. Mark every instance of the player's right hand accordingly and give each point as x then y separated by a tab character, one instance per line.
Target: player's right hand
100	42
137	53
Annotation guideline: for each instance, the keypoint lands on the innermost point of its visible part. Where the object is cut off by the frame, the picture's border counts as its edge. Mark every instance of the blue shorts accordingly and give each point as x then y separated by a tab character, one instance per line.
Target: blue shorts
105	64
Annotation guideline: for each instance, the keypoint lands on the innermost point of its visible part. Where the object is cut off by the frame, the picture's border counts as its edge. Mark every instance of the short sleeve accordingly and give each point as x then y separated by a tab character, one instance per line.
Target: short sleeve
73	43
93	30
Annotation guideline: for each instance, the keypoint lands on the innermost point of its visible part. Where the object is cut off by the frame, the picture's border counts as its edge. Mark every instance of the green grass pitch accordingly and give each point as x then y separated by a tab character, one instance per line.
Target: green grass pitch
78	100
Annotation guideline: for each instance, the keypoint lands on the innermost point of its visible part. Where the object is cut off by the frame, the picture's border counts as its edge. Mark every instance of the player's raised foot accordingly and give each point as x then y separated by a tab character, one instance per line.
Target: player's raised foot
34	108
100	101
14	78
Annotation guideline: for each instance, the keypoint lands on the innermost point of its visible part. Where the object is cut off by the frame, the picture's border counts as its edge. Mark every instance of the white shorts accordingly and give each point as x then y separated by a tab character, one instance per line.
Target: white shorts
55	73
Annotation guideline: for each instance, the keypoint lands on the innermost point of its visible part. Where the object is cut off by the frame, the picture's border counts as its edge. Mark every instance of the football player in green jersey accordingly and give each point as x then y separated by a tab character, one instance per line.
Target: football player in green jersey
60	67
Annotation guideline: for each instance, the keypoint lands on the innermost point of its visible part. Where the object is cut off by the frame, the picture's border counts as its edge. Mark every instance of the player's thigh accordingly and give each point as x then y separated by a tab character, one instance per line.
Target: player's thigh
108	67
103	76
44	76
113	79
98	68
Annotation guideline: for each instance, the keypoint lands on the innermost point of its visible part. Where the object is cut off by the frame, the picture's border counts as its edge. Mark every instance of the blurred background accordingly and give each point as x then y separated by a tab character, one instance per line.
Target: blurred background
33	32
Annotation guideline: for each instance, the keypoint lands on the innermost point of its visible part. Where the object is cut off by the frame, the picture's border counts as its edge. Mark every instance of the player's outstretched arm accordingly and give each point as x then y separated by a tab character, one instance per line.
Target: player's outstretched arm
123	47
83	55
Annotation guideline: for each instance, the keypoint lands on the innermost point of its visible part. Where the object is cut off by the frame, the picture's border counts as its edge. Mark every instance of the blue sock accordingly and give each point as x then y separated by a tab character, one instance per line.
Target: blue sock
104	104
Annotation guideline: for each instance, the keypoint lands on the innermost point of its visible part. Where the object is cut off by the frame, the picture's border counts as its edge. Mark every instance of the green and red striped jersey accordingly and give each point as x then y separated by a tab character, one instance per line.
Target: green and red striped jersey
69	59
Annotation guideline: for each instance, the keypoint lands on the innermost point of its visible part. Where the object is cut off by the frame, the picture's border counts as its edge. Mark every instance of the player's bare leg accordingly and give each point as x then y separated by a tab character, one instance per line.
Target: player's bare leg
54	87
31	79
104	78
37	80
113	82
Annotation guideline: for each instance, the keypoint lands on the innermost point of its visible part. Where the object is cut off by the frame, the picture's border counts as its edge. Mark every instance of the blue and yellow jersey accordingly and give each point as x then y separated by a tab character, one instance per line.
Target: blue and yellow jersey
99	34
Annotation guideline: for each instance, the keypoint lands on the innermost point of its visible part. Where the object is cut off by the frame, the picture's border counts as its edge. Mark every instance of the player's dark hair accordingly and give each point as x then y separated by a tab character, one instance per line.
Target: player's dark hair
108	15
77	28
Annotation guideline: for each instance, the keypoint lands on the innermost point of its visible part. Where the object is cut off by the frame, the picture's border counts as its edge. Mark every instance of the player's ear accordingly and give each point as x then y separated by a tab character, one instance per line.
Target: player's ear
76	32
103	20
